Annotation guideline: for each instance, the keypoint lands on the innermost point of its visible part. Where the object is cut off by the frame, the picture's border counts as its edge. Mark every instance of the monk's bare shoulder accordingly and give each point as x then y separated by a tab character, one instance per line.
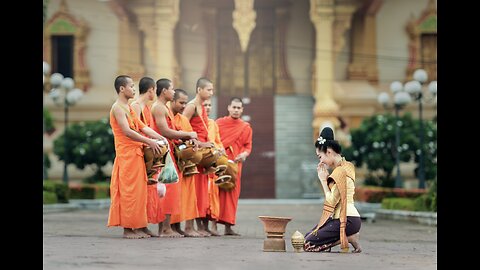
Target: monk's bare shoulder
158	109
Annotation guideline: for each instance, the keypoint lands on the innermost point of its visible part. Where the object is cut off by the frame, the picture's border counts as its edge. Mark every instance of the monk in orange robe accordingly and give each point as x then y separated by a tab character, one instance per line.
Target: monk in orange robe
236	136
195	112
141	106
213	211
163	124
188	194
128	185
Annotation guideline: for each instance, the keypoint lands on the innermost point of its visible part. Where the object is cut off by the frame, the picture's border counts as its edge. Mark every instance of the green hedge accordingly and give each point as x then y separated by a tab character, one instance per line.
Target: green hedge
374	194
90	191
399	204
49	197
82	192
102	190
61	194
421	203
59	188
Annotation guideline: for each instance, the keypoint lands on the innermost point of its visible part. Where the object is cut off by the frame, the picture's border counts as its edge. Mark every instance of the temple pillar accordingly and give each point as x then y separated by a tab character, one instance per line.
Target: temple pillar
325	109
158	19
284	82
130	60
363	65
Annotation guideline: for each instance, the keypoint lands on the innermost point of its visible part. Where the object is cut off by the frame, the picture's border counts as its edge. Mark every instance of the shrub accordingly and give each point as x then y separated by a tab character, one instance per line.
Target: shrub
89	143
60	189
82	192
398	204
373	143
102	190
432	193
423	203
49	186
49	197
374	194
99	190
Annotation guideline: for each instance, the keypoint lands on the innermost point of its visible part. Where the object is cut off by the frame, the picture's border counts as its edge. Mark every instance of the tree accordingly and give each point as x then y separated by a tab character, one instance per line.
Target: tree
373	143
88	143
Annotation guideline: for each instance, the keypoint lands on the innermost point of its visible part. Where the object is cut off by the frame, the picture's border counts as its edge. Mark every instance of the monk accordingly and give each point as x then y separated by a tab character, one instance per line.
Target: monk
141	106
163	124
213	211
128	185
188	194
236	136
195	113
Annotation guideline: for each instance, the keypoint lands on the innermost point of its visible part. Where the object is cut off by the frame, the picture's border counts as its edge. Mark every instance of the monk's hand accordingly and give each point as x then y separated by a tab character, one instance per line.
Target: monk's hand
155	146
195	144
163	139
322	171
206	144
193	135
241	157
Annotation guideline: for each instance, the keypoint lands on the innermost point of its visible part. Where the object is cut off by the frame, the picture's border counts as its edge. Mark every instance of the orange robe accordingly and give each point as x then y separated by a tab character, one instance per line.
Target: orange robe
171	200
213	211
236	136
155	212
128	186
199	125
188	194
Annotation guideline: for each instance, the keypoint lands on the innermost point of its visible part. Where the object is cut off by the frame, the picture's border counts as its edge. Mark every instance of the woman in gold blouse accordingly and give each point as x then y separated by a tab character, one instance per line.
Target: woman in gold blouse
340	221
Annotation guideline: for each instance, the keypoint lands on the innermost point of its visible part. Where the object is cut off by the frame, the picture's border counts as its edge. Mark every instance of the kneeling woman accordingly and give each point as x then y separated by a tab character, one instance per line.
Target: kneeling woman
340	221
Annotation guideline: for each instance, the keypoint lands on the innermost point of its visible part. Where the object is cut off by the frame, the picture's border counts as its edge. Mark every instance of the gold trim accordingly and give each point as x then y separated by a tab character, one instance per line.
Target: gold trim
244	21
426	23
64	23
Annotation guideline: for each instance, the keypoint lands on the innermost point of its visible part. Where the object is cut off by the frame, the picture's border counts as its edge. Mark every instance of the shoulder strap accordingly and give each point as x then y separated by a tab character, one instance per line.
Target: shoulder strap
129	116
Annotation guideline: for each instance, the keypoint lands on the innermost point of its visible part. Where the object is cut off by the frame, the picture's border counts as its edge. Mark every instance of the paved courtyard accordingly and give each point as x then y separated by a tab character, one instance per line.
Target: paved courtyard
79	239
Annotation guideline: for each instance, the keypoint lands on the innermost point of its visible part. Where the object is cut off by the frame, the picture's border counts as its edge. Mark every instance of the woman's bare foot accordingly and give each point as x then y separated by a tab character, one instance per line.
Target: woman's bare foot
147	231
141	233
130	234
354	240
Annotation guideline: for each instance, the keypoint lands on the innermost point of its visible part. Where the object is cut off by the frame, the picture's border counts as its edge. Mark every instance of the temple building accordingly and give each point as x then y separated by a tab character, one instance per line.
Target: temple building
298	65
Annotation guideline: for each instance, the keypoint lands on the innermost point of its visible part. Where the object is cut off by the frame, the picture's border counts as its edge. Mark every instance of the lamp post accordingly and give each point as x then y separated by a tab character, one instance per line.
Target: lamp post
400	99
414	88
63	93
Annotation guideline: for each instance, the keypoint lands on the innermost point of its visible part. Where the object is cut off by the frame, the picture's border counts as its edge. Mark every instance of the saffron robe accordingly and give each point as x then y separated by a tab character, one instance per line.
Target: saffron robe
213	210
128	185
171	200
236	136
188	194
199	125
155	212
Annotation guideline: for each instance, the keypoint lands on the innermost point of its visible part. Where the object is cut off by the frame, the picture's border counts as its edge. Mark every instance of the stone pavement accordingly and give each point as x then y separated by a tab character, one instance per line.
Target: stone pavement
79	239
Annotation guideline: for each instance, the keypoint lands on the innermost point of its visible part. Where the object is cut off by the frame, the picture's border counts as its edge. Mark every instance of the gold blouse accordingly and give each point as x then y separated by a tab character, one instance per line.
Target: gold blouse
333	197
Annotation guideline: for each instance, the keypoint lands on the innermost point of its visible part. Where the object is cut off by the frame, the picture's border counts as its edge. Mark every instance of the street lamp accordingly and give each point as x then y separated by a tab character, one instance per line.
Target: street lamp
400	99
414	88
64	93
